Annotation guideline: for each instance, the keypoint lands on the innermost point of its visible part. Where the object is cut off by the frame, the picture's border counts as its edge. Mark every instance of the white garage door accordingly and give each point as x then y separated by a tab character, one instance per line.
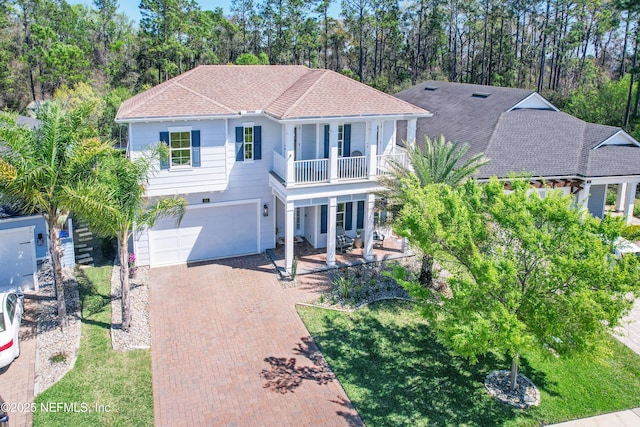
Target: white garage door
205	233
17	259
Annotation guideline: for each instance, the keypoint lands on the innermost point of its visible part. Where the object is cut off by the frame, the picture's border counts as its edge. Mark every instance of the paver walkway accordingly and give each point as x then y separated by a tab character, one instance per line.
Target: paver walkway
229	349
16	381
629	330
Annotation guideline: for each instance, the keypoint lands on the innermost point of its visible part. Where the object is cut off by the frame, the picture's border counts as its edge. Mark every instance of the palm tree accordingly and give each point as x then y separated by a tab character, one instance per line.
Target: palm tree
440	163
113	202
36	166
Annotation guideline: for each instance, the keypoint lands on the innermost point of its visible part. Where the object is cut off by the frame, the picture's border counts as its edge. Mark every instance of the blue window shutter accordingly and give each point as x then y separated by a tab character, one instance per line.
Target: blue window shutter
348	216
164	138
346	152
360	219
257	142
240	143
323	219
326	141
195	148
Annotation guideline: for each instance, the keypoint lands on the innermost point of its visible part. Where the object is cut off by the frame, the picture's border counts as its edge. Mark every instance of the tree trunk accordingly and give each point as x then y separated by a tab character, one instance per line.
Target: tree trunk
55	249
514	372
426	271
124	284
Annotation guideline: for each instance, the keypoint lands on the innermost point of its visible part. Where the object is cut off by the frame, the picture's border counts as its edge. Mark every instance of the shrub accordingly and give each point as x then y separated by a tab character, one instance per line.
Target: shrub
631	232
343	285
611	197
59	358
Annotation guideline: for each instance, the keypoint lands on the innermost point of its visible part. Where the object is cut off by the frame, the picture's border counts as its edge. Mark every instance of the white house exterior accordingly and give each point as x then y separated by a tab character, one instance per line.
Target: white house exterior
261	154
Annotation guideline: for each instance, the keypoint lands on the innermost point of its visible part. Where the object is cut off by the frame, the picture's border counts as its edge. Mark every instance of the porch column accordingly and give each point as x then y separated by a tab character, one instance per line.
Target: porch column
629	199
289	223
622	188
331	231
289	153
368	227
411	131
582	198
333	152
372	148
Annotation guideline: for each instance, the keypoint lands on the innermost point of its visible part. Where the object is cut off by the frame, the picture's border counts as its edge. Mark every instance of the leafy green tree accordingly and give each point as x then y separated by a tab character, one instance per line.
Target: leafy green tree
251	59
113	202
38	166
442	162
529	272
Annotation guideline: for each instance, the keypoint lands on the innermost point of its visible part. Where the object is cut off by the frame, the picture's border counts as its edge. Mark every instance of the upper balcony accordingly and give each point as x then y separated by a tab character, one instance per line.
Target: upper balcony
301	173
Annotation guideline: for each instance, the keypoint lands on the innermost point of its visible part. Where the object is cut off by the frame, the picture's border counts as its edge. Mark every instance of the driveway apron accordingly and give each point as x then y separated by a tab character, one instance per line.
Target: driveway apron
229	349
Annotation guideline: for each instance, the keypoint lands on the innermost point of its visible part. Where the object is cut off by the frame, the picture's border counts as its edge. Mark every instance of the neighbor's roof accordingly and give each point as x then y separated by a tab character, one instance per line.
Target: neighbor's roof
281	91
542	142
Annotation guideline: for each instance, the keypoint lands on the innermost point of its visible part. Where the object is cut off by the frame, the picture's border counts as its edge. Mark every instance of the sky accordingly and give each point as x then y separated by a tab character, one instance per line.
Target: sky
130	7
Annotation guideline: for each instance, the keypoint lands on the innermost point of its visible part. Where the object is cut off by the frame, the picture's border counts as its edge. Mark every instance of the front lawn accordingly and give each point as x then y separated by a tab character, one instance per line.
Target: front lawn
396	373
113	387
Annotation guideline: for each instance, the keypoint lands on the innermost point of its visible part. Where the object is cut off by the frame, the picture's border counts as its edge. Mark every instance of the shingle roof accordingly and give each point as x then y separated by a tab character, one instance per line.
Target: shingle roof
540	142
282	91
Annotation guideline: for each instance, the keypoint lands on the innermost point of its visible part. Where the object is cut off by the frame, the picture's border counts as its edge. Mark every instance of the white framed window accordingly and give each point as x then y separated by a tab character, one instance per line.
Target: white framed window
340	140
248	143
180	148
340	215
298	219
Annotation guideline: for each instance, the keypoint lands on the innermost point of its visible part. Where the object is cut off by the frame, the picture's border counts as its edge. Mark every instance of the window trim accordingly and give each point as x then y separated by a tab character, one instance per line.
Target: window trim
341	140
180	129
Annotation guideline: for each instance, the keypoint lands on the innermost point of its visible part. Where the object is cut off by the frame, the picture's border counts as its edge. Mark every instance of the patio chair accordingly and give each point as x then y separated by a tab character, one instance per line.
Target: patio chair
378	239
343	242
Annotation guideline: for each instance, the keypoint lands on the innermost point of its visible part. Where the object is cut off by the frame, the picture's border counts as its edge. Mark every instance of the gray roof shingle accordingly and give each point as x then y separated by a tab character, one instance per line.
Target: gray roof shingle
540	142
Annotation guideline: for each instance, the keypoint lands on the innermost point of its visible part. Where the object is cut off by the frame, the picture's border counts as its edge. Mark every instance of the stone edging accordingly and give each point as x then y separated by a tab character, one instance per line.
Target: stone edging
351	310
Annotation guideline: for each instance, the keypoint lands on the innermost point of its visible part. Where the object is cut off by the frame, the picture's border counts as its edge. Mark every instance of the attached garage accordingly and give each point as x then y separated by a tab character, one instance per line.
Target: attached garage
206	232
18	259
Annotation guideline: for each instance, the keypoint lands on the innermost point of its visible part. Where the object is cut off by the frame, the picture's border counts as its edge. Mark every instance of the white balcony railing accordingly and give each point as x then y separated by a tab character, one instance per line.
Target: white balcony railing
385	162
310	171
352	167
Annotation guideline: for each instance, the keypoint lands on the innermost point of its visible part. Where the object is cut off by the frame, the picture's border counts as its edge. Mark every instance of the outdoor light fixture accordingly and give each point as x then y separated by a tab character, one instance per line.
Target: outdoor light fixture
265	210
40	240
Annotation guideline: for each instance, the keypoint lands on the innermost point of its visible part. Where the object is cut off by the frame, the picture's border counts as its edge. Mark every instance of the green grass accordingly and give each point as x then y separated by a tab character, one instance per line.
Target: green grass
101	376
397	374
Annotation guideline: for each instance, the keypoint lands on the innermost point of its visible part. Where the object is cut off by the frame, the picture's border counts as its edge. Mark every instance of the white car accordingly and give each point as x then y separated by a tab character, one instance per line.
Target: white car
11	309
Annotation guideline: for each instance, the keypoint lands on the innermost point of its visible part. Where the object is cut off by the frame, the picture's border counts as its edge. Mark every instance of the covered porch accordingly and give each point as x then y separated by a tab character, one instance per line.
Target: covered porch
312	260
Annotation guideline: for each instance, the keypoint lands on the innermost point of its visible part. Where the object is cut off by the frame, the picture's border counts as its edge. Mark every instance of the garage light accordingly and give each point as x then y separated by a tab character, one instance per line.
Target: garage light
40	240
265	210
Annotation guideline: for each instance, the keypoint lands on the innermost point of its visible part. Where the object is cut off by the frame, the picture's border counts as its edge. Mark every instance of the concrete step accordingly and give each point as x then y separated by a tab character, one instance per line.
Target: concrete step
85	260
82	256
85	239
89	249
85	234
81	245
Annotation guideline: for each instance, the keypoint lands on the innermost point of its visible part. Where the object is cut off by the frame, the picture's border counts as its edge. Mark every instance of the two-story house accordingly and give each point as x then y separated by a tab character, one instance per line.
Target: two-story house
264	153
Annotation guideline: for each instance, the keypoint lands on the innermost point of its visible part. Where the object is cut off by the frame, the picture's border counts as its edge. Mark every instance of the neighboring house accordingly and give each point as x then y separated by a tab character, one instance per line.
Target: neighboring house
520	131
23	241
261	154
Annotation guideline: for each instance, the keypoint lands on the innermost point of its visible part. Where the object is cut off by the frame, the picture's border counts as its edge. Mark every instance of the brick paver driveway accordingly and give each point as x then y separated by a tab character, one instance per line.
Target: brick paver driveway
229	349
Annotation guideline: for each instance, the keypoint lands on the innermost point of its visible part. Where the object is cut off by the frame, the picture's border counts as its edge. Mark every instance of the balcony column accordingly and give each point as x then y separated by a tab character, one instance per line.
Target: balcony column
331	231
289	223
629	200
368	227
372	148
333	153
289	153
411	131
622	188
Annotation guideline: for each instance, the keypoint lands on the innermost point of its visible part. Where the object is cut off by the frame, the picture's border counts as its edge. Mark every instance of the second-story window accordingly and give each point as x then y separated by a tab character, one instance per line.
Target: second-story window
180	148
248	143
340	141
